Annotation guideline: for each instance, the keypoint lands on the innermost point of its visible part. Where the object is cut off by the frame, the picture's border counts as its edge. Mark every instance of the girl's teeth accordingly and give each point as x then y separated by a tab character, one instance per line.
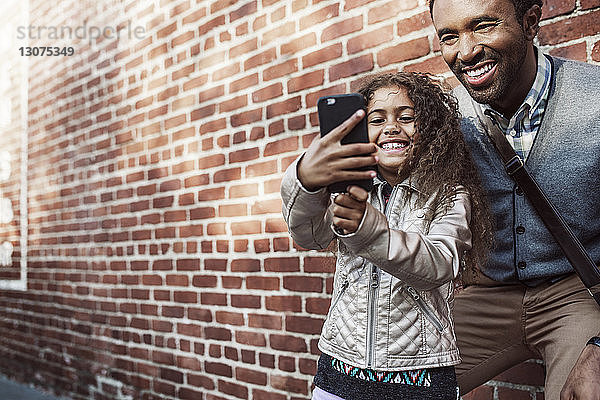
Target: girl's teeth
393	146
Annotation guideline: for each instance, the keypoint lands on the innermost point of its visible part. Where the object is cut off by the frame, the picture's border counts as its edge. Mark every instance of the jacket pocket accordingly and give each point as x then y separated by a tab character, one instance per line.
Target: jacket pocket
427	311
331	328
335	301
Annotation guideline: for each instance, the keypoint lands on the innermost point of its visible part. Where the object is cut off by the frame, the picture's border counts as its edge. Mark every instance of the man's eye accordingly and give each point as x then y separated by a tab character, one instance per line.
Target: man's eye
448	39
485	26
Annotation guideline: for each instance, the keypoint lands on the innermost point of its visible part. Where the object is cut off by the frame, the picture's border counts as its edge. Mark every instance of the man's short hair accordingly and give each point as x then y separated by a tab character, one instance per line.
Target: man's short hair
521	6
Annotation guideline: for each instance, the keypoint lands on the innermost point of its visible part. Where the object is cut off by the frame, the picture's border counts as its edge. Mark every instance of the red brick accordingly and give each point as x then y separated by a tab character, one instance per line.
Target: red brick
301	43
370	39
284	303
205	280
213	126
246	117
262	283
210	25
403	51
303	284
273	322
306	325
390	10
414	23
288	264
281	146
587	4
342	28
577	51
317	306
319	264
265	57
226	175
318	16
233	104
596	52
435	65
552	8
266	207
277	71
306	81
232	210
247	9
245	301
251	338
282	31
288	343
251	376
245	265
351	67
218	369
229	318
570	29
290	384
243	83
275	225
245	228
241	49
268	93
323	55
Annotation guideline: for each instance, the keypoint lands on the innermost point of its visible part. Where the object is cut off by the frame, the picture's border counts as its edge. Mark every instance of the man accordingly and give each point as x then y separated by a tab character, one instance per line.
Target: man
527	302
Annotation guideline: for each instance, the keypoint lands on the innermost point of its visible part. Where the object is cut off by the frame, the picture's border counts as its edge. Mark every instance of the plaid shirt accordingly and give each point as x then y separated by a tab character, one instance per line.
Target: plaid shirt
520	130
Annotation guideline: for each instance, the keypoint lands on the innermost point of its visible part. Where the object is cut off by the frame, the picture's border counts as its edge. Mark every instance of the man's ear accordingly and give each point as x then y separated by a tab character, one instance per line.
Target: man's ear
531	22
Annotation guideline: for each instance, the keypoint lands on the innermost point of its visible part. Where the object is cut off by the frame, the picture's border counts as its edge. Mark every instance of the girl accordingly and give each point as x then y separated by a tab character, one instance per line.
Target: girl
389	332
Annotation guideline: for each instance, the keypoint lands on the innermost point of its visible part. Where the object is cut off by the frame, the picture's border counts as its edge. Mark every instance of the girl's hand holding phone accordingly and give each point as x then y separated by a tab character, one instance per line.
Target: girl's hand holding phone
349	209
327	161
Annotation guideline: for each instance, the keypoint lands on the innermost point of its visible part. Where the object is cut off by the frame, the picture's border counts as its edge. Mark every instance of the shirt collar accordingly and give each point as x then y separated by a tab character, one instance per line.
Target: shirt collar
535	97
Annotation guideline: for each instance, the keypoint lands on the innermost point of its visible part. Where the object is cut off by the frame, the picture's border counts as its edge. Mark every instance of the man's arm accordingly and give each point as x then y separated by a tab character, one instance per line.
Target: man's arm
583	382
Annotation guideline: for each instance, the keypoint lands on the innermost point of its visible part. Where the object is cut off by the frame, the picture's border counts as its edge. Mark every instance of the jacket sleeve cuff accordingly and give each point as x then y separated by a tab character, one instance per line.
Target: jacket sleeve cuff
368	229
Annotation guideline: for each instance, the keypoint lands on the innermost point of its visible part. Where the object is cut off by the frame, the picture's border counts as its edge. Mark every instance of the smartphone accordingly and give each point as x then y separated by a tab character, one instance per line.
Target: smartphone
335	109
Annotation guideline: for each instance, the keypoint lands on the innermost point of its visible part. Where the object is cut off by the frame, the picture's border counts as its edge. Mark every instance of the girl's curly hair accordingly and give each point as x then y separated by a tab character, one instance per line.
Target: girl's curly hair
439	160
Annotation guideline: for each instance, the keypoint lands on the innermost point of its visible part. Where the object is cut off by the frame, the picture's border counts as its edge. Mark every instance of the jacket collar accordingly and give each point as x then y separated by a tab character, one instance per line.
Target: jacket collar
378	182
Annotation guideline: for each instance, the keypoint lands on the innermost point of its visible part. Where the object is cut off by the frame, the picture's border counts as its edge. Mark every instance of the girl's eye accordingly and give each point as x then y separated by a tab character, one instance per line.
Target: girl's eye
406	118
376	121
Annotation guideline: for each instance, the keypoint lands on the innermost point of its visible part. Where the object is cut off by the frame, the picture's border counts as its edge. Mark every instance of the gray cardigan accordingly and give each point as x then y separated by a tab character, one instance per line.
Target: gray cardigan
565	161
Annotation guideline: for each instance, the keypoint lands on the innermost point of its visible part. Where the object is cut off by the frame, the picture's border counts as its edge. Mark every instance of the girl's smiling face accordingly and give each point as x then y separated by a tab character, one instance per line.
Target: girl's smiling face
391	126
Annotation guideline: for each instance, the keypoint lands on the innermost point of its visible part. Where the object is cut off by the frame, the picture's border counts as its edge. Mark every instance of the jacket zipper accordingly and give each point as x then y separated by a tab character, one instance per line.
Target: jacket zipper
374	286
425	308
343	288
372	310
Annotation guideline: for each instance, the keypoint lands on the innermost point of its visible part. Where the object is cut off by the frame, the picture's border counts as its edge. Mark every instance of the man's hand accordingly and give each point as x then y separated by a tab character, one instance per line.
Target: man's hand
327	161
349	209
583	382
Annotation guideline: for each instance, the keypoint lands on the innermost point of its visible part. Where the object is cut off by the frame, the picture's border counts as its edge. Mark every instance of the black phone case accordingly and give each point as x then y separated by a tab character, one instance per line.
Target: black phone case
335	109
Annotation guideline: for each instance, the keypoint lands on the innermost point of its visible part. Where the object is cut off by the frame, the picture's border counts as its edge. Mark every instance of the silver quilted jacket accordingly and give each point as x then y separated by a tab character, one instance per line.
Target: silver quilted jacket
393	287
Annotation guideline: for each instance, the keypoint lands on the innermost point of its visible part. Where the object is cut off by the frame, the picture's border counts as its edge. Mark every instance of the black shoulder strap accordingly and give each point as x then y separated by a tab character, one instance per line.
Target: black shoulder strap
562	233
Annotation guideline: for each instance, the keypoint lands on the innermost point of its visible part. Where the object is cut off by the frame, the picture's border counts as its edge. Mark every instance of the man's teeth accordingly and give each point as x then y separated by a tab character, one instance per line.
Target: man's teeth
475	73
394	145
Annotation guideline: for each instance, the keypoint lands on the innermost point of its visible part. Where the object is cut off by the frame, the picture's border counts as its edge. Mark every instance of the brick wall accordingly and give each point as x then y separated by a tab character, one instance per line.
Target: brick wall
158	264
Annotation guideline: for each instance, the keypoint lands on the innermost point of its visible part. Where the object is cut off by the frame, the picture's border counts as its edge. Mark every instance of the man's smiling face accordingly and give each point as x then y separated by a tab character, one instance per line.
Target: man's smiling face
485	46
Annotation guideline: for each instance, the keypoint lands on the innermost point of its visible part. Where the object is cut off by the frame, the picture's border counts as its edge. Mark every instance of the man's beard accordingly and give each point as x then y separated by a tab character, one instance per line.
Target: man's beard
508	70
